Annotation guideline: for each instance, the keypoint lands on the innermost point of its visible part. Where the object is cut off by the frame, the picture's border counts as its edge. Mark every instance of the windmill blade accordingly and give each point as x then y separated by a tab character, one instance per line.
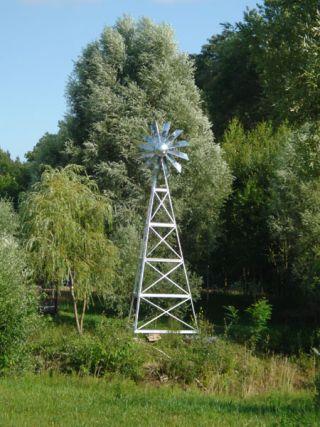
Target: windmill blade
155	129
147	147
179	154
175	135
165	168
165	129
174	163
146	155
179	144
149	139
151	162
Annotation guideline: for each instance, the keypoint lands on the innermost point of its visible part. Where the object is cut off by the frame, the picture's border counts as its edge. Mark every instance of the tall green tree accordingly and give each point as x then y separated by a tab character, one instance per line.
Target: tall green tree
14	177
295	222
256	158
287	53
265	67
49	151
132	75
64	221
271	221
228	77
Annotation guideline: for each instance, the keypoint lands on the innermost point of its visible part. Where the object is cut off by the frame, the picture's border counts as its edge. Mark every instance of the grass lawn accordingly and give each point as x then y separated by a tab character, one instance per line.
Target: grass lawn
73	401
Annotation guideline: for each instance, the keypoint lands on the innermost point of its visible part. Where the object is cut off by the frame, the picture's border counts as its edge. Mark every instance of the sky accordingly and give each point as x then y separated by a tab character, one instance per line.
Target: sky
41	39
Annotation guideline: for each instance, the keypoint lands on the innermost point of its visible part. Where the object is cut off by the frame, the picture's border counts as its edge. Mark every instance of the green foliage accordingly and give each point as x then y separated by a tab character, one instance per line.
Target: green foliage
210	362
133	74
128	241
13	177
253	328
260	314
227	75
232	314
317	378
317	386
231	319
17	296
64	221
265	67
287	57
9	221
219	366
255	158
49	151
110	350
270	239
294	221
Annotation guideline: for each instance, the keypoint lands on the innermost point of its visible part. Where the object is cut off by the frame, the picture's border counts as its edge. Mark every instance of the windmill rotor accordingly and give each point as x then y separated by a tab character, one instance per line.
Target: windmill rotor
161	147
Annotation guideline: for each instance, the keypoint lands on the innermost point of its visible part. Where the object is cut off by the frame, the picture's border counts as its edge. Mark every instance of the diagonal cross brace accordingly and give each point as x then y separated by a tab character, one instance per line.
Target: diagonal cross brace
164	312
163	240
166	276
163	205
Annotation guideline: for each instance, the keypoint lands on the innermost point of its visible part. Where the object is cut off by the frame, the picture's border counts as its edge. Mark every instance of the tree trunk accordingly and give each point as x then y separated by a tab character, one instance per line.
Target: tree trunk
75	309
56	300
84	307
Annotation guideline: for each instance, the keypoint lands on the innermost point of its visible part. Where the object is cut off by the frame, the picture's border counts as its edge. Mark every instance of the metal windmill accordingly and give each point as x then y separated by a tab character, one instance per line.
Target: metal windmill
162	291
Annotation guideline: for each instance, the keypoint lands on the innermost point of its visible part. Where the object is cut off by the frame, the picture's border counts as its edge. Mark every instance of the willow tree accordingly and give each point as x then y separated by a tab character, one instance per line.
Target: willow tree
132	74
135	73
65	219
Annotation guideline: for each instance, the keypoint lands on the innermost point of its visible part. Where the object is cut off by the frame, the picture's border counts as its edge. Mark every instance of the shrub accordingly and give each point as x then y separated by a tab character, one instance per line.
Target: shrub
260	314
231	320
17	297
8	219
219	366
212	364
110	350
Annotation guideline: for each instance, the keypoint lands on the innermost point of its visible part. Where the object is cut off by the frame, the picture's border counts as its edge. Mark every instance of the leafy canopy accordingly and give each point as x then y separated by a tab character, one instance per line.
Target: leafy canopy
133	74
18	304
265	67
65	219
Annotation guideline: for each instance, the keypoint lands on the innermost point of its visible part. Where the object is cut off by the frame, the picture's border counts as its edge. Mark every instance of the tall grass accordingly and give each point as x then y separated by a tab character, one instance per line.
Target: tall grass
216	366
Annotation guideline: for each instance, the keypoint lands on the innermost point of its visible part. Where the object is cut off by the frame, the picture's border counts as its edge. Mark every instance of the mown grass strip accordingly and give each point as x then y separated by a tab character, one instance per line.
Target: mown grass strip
73	401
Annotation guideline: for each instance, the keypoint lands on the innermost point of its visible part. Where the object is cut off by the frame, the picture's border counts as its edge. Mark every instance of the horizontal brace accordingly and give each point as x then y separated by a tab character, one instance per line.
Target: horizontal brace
186	296
165	331
163	260
161	190
163	224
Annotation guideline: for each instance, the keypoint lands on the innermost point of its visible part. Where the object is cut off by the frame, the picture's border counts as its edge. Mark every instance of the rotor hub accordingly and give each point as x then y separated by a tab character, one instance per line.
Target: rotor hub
163	149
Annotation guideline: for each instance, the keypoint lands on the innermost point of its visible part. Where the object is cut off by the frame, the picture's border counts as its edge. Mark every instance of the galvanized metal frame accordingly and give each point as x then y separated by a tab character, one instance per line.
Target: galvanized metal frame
143	292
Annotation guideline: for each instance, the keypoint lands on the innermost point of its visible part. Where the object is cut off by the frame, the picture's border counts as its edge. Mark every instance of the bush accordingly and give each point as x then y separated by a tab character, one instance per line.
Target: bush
219	366
17	297
8	219
111	350
260	314
231	321
212	364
